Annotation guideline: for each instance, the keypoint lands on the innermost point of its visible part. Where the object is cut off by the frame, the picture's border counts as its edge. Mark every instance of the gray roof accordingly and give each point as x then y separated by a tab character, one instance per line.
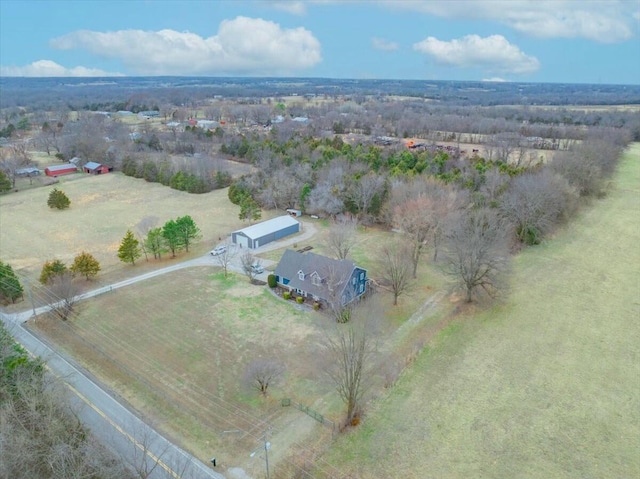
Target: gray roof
261	229
61	167
329	270
92	165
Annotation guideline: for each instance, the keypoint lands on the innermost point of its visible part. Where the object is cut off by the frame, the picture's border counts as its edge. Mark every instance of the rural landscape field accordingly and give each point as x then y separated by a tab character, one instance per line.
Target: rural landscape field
543	385
486	325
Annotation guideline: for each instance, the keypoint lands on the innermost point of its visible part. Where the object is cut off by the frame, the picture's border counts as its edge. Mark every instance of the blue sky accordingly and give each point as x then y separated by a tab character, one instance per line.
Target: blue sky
568	41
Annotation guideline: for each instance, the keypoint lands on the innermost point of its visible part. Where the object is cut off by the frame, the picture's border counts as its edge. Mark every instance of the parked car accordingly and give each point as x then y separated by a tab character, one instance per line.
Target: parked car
257	268
218	250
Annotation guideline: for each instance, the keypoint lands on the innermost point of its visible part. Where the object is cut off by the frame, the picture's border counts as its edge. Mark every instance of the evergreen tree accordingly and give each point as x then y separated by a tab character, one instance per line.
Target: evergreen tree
129	250
171	234
5	182
57	199
188	231
86	265
155	243
249	209
51	269
10	287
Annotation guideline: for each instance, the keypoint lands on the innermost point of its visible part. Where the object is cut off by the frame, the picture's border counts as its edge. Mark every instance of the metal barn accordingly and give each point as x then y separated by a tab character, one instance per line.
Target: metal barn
262	233
58	170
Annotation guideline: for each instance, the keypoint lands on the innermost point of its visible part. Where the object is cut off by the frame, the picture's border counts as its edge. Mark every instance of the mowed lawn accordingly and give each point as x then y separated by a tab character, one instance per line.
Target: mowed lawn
102	209
176	347
545	385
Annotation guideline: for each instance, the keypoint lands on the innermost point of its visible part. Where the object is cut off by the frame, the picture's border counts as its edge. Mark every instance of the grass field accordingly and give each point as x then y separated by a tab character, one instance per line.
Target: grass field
545	385
102	209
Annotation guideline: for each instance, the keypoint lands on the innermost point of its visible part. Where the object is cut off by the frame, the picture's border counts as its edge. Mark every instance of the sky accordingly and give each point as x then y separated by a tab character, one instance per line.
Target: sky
558	41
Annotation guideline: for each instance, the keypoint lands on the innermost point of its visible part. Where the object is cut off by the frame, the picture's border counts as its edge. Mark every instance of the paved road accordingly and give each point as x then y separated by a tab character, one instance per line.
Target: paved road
134	440
111	421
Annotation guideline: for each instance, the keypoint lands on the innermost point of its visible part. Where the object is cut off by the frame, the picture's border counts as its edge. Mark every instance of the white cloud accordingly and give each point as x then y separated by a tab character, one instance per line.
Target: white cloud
495	79
493	53
384	45
241	46
48	68
606	21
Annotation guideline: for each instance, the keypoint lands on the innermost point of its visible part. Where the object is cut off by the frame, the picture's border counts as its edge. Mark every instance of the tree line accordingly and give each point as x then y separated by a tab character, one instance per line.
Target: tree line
174	236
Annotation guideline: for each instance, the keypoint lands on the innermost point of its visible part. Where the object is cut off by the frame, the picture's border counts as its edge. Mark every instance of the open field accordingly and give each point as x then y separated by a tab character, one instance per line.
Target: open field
177	353
545	385
102	208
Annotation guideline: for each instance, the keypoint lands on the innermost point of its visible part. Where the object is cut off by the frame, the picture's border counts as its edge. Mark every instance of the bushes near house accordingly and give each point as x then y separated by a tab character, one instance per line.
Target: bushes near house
299	300
286	295
271	281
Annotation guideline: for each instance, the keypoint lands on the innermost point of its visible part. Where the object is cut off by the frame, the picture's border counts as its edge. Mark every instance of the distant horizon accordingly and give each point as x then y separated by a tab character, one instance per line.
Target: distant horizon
591	42
106	79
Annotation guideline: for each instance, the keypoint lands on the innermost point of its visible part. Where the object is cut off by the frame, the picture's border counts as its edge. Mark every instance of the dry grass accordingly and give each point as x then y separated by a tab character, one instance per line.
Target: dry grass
102	209
544	385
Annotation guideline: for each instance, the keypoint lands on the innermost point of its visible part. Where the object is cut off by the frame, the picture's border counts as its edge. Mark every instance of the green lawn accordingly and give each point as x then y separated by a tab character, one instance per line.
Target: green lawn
544	385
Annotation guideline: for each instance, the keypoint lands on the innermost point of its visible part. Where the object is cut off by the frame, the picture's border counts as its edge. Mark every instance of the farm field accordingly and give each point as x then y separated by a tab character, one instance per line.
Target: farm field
546	384
102	208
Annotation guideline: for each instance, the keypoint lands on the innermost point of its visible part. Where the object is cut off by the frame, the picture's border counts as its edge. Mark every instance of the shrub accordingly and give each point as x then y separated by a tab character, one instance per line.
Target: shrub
299	300
286	295
316	306
57	199
271	280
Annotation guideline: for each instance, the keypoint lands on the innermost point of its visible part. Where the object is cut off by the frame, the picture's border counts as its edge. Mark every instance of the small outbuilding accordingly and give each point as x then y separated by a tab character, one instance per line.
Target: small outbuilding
94	168
59	170
265	232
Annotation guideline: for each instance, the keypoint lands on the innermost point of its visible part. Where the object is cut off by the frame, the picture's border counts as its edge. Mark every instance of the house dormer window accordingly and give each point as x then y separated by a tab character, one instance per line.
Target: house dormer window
316	280
301	275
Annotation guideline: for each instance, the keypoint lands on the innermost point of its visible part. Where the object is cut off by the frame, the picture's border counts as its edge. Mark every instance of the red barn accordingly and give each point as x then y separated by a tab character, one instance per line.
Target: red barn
94	168
58	170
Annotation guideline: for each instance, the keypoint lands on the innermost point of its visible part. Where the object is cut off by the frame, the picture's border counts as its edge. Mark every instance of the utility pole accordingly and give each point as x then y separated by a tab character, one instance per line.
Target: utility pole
267	446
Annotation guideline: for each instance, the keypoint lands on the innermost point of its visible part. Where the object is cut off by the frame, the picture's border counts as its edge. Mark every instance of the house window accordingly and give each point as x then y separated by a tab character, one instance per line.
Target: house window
361	276
301	275
353	281
361	289
315	279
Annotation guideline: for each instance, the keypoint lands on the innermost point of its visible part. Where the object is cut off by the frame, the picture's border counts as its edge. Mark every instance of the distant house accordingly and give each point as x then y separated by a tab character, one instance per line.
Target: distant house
323	279
94	168
75	160
262	233
149	114
59	170
27	171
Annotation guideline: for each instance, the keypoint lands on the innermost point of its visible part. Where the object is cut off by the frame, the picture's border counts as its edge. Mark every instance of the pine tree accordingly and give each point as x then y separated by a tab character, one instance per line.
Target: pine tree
171	233
188	231
10	287
249	209
129	250
57	199
52	269
86	265
5	182
155	243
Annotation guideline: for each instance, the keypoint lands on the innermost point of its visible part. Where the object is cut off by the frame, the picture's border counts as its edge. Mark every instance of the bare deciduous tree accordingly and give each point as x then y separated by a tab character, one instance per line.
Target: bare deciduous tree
262	373
224	259
342	237
351	347
64	292
395	266
476	252
535	203
249	263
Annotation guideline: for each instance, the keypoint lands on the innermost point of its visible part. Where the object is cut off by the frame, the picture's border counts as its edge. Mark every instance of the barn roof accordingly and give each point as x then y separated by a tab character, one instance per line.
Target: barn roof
66	166
261	229
92	165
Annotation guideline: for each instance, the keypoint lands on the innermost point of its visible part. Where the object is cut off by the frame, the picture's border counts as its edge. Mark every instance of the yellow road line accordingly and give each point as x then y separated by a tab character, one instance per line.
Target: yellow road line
101	413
